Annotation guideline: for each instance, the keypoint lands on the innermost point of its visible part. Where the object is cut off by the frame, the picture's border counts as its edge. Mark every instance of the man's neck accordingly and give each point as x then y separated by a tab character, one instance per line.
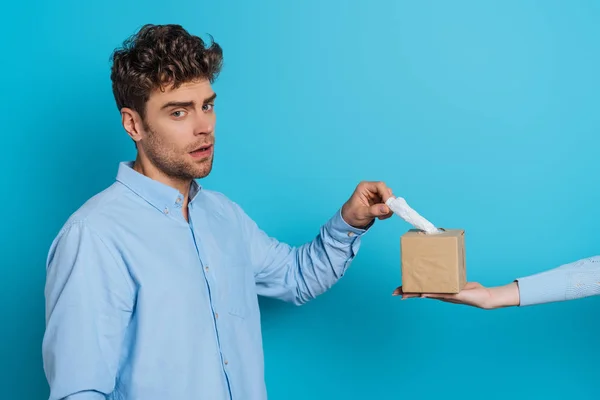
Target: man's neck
149	170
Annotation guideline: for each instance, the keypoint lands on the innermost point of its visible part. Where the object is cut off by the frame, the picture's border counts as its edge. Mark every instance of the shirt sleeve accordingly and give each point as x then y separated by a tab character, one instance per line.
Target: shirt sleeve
570	281
89	301
299	274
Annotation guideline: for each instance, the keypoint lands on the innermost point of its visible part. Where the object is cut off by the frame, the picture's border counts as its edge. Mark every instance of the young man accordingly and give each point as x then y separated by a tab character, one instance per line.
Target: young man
152	284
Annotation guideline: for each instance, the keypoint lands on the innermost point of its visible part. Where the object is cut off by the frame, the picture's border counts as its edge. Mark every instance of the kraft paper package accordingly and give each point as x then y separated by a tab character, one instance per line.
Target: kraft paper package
432	259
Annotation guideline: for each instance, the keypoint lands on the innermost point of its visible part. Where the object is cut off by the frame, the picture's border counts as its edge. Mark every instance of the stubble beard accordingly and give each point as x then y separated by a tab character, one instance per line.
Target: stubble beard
172	162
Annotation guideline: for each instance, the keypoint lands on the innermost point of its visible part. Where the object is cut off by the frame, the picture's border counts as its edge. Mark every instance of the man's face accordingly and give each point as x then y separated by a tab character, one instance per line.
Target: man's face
179	130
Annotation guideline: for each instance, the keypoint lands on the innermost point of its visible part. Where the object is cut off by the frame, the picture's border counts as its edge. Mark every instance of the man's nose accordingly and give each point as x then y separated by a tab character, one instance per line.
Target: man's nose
204	125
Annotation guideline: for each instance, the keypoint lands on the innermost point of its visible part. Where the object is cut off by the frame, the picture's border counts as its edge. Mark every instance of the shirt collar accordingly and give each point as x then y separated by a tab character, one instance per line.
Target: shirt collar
160	195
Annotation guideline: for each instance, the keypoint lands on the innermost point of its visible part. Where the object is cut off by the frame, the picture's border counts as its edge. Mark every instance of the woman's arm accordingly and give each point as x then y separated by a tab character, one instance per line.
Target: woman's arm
570	281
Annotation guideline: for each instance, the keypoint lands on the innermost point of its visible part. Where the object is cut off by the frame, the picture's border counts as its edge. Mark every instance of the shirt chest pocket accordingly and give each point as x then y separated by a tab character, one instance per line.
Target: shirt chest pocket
229	272
237	286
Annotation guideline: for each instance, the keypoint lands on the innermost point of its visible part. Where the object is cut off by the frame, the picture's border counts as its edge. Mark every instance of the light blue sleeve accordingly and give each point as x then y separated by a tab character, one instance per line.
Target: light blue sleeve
299	274
570	281
89	301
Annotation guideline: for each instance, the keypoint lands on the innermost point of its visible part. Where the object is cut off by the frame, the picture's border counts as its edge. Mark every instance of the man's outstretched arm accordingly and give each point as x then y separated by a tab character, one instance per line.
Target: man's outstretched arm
299	274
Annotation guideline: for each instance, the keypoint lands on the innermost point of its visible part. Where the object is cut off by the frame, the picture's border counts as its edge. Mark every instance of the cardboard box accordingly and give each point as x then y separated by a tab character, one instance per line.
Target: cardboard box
433	263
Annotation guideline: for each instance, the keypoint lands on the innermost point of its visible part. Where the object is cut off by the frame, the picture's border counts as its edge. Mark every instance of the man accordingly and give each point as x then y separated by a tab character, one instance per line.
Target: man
152	284
575	280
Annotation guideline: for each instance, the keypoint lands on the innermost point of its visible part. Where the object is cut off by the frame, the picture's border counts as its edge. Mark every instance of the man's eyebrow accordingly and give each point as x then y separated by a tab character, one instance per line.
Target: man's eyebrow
184	104
210	99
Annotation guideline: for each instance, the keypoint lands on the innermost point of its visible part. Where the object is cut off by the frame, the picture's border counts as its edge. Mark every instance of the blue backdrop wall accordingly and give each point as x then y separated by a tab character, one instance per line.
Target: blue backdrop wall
483	115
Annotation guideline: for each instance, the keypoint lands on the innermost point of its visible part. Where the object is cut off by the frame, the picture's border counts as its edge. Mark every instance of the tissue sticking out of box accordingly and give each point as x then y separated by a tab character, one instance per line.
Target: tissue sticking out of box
401	208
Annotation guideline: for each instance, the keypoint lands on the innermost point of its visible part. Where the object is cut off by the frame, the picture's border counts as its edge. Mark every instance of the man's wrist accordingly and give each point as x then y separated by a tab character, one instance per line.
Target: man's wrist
347	218
340	230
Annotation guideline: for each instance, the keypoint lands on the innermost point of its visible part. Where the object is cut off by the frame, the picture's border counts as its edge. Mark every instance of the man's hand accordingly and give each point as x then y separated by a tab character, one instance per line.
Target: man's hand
475	295
367	203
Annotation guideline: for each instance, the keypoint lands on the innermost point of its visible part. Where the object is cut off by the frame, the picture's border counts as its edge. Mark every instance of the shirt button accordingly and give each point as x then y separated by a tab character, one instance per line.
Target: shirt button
166	210
206	268
217	315
178	200
226	362
350	234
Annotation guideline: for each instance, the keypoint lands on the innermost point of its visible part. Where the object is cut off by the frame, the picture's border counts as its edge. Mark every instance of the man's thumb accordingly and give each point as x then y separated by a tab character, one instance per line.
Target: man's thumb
377	210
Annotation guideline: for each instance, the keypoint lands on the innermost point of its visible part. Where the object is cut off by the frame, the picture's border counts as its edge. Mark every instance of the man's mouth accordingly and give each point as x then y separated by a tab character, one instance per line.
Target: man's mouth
203	151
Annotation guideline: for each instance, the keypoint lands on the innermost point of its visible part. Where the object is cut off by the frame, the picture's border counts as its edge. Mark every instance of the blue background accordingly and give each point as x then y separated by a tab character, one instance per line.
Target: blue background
483	115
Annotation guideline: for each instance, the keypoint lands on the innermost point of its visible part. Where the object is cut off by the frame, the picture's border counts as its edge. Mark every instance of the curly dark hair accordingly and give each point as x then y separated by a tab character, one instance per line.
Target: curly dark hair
157	56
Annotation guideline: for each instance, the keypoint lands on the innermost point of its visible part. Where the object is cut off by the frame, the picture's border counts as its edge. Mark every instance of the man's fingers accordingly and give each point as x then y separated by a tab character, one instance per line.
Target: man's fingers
376	193
386	216
378	211
379	188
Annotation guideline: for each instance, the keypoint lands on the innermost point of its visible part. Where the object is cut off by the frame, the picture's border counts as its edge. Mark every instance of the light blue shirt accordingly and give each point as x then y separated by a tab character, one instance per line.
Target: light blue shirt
142	305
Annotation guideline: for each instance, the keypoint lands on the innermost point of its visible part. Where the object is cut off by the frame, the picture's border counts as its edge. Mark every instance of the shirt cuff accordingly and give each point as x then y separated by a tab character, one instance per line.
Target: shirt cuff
545	287
343	232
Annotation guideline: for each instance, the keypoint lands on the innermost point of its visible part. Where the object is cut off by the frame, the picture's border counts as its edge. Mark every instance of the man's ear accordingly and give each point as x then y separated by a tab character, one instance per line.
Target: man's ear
132	122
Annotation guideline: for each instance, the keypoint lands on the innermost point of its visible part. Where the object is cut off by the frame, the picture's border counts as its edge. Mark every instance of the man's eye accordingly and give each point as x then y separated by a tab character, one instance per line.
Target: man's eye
208	107
178	114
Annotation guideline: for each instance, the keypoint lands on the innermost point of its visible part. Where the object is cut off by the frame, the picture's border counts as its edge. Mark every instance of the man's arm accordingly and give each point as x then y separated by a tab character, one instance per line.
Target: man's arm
299	274
89	300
